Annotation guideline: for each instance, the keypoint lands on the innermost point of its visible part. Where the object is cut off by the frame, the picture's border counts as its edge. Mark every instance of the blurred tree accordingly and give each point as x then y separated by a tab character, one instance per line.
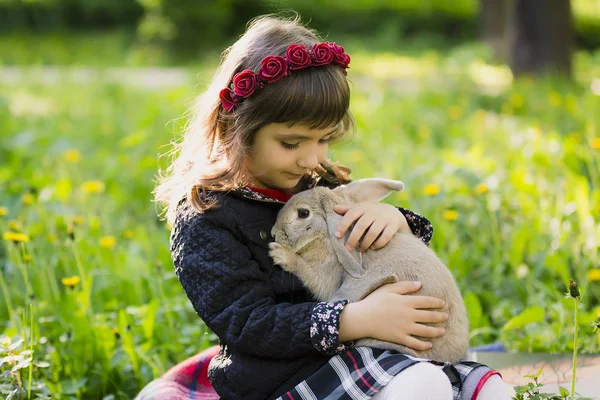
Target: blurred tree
533	36
186	23
493	15
540	36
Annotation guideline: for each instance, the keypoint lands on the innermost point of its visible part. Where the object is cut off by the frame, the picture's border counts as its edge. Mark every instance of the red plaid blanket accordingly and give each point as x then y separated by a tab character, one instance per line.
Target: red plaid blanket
186	380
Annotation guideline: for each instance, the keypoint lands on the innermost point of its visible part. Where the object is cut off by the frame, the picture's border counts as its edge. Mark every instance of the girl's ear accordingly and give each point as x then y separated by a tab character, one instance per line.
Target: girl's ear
368	190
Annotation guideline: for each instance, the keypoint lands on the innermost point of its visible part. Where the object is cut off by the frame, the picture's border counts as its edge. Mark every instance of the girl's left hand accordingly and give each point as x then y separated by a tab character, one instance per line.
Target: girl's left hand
378	222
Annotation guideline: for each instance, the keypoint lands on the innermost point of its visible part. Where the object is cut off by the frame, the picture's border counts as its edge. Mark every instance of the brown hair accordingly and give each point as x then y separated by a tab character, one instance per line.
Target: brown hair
211	153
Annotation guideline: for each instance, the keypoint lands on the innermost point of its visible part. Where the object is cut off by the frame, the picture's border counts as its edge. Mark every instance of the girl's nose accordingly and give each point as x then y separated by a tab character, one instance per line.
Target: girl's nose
309	162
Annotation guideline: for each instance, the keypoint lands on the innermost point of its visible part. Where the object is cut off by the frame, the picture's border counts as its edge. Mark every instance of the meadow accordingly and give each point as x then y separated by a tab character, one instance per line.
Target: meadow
507	170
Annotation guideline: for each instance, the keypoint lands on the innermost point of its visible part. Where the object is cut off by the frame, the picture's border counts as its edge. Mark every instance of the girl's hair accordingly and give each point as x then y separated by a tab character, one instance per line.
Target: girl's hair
210	156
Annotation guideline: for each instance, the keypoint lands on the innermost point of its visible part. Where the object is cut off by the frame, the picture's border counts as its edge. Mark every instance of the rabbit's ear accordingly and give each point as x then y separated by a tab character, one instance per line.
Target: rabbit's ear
369	190
350	260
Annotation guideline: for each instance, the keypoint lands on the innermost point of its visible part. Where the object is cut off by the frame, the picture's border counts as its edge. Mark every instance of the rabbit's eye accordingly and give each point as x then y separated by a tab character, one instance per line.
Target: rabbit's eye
303	213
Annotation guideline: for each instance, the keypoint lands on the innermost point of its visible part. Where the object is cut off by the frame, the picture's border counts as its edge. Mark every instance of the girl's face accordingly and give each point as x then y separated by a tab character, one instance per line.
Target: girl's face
282	154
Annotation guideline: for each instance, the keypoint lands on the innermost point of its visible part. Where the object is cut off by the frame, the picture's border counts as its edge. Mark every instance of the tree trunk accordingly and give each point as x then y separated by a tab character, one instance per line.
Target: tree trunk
493	18
540	36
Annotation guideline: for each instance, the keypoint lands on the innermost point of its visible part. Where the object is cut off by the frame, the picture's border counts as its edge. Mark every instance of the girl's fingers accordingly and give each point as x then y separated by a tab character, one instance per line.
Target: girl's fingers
349	217
372	234
424	302
416	344
427	331
429	316
341	209
403	287
384	238
359	229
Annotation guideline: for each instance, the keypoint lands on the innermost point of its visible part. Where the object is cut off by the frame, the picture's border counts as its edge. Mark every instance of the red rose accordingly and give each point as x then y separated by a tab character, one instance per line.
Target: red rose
340	58
272	69
227	99
322	54
244	83
298	56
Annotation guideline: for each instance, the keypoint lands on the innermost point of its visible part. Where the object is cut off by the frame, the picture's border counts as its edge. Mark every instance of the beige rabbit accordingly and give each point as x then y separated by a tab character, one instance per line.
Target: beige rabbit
305	245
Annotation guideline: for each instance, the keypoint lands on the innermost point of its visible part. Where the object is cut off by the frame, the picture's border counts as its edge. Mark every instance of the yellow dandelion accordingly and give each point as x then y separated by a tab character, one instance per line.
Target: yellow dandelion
15	225
431	189
78	220
517	100
536	132
356	156
480	116
71	281
16	237
555	99
451	215
3	211
28	199
72	156
595	143
455	112
92	187
594	274
127	234
424	132
108	242
482	188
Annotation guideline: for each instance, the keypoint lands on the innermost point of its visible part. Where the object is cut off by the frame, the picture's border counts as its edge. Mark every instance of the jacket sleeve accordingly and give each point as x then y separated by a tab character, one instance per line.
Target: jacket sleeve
233	296
419	225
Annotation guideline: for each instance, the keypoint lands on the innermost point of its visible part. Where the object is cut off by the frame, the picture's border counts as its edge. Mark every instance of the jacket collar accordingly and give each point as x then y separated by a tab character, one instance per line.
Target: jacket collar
247	193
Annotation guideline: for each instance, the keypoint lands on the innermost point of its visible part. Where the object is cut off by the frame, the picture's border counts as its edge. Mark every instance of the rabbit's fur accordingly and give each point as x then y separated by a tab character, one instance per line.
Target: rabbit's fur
305	245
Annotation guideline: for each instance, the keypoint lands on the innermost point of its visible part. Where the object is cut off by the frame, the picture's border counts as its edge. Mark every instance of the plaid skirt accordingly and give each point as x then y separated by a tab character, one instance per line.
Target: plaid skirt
356	374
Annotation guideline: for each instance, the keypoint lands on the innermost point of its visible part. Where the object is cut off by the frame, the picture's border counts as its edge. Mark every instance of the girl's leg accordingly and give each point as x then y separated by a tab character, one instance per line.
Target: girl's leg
422	381
485	384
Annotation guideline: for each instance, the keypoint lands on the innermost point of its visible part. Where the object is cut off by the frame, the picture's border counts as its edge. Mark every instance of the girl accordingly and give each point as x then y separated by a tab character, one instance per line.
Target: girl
260	134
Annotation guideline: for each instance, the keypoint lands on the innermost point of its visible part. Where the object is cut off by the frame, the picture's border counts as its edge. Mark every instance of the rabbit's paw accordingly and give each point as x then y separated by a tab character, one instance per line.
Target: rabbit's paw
282	256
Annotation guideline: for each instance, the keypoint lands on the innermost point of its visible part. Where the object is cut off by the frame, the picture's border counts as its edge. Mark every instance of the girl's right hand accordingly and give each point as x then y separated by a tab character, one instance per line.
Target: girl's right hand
387	314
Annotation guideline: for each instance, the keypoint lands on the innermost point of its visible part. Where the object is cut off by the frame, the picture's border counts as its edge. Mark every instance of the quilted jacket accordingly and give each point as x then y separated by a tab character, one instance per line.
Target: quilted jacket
261	314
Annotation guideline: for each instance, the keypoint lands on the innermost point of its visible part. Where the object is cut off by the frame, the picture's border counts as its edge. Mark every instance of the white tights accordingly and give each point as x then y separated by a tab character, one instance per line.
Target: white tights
422	381
495	389
425	381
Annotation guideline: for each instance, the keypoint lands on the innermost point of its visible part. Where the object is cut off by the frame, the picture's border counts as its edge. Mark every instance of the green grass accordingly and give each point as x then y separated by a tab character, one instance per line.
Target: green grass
508	172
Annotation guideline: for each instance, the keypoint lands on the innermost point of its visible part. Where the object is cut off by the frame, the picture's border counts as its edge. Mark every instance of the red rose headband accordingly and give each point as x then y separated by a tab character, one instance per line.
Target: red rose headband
273	68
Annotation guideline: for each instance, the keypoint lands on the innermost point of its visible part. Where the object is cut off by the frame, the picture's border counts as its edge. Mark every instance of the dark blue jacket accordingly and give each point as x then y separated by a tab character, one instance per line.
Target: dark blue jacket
261	314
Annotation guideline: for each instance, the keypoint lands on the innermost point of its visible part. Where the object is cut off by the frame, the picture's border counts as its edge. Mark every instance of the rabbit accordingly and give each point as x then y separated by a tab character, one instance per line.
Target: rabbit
305	245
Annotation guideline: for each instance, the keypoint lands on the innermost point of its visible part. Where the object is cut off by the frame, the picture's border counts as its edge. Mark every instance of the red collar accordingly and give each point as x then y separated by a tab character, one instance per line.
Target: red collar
272	193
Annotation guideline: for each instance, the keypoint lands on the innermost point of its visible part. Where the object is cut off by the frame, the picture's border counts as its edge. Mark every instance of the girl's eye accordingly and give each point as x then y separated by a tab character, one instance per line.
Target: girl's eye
289	145
303	213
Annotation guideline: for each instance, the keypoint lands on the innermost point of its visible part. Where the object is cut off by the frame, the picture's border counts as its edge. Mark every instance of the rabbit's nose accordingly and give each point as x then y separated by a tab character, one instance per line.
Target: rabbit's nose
273	234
